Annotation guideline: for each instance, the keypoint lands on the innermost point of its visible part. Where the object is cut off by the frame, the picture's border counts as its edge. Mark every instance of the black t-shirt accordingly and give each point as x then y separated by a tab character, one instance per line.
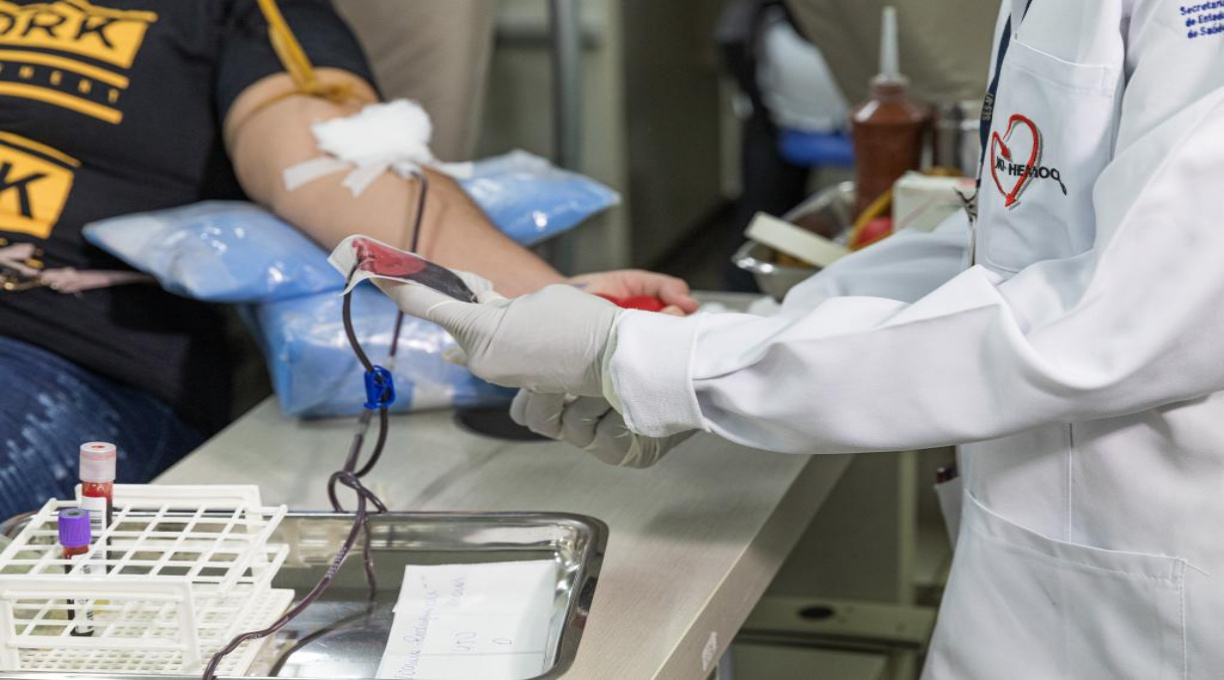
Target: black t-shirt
110	107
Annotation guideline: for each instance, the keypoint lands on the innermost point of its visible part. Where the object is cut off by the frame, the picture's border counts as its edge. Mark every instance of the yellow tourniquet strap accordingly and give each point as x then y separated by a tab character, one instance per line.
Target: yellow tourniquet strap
295	61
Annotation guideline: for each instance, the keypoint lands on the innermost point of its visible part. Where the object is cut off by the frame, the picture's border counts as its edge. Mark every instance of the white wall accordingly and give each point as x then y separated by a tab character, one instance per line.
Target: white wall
518	112
651	115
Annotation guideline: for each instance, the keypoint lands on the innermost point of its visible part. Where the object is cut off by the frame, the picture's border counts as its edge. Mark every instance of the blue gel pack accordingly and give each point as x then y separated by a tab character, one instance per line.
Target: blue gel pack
531	200
219	251
316	374
235	252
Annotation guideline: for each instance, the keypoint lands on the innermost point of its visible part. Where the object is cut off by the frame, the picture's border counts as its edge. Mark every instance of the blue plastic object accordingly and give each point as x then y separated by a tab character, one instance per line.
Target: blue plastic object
817	149
236	252
532	200
380	388
239	253
219	251
315	374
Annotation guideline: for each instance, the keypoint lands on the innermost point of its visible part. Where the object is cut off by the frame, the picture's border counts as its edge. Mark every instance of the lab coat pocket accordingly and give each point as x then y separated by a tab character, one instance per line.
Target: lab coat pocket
951	497
1053	134
1020	605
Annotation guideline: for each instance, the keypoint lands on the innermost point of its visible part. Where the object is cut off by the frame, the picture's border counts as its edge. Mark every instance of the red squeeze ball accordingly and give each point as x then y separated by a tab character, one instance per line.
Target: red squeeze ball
876	230
645	303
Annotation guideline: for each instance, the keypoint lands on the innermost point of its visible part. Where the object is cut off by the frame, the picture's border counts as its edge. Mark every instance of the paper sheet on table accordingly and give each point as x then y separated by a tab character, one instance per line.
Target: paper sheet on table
463	621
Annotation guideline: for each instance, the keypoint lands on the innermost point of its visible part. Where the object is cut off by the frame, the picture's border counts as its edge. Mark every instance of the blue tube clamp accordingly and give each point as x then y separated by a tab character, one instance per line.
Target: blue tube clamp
380	388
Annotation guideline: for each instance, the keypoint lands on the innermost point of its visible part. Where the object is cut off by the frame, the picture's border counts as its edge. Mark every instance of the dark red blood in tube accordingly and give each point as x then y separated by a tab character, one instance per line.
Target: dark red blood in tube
377	258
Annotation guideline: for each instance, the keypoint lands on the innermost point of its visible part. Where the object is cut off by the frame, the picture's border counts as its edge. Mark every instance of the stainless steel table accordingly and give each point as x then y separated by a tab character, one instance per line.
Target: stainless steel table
694	541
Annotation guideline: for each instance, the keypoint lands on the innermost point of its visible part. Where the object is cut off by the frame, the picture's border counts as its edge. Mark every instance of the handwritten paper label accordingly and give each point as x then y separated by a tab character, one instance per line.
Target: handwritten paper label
488	621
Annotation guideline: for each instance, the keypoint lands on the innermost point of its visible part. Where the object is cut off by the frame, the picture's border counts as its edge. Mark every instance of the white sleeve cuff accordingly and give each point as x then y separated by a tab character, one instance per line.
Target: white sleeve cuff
650	373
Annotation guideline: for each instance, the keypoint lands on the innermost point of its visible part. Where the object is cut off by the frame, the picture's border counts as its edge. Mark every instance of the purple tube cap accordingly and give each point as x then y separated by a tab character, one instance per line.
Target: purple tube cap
74	528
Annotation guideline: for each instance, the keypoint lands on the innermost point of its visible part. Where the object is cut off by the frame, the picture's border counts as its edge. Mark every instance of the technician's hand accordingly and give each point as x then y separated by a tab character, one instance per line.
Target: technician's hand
591	424
550	341
631	283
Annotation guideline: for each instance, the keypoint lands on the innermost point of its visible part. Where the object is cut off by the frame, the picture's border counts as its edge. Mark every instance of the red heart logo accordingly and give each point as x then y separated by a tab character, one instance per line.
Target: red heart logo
999	146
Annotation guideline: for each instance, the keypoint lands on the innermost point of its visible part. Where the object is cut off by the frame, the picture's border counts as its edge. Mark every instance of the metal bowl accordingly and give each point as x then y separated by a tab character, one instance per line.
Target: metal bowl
775	280
829	213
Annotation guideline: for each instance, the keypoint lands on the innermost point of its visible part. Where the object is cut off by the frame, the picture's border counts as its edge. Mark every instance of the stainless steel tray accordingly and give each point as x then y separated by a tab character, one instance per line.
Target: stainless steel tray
343	635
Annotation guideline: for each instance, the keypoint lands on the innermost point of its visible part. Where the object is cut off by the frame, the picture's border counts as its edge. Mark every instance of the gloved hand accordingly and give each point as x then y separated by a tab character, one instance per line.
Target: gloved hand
551	341
591	424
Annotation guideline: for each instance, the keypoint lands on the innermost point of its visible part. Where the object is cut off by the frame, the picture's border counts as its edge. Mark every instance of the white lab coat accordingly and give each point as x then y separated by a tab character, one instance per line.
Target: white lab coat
1080	360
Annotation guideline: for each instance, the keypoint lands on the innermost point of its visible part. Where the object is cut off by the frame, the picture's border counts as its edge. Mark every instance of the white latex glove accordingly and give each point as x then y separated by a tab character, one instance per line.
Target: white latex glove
550	341
591	424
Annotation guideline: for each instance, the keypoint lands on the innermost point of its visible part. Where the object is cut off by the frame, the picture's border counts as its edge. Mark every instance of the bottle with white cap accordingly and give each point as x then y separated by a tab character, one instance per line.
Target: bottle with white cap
98	483
889	129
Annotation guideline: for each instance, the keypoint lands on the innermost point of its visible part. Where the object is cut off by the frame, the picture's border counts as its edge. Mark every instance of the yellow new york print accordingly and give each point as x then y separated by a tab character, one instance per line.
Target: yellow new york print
67	35
34	184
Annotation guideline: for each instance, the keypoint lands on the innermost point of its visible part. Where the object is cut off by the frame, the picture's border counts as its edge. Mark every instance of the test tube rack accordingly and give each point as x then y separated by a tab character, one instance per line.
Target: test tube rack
179	572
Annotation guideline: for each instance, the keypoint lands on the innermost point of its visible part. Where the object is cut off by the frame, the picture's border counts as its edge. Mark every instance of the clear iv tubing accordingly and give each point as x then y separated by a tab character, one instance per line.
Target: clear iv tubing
349	476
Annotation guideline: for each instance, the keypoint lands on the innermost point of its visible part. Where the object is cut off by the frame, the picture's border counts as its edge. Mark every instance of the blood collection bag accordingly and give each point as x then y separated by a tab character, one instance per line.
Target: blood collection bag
367	258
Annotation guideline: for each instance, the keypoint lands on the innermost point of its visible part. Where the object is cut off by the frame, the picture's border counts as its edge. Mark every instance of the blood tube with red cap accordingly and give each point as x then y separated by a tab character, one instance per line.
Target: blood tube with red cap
98	483
74	538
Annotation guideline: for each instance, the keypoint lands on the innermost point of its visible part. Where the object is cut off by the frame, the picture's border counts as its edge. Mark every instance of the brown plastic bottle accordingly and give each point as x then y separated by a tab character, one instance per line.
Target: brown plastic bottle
889	129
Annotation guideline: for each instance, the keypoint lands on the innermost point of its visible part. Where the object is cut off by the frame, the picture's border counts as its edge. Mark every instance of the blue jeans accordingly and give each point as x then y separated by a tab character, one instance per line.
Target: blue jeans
50	406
